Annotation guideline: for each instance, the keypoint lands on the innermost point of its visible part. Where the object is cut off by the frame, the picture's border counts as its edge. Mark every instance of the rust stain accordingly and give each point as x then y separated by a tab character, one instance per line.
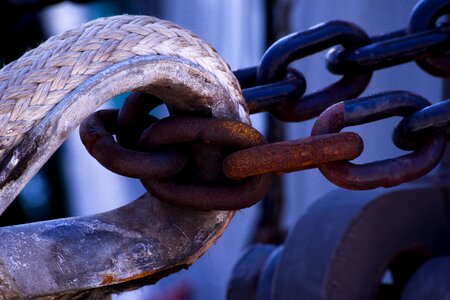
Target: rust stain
107	279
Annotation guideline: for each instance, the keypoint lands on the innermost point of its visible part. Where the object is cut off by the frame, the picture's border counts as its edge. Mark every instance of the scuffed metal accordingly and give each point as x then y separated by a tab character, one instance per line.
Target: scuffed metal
132	242
8	290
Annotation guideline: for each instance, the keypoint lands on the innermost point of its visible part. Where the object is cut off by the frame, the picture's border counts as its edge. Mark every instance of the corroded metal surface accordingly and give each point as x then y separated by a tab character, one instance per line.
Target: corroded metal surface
293	155
130	246
188	151
96	133
206	141
387	172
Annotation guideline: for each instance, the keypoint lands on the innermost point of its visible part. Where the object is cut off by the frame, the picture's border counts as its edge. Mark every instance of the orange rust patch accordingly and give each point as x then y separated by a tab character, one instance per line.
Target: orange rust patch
107	279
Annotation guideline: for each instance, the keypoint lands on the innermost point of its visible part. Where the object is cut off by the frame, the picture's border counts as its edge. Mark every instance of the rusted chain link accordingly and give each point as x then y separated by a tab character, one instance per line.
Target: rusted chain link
385	173
207	142
96	133
289	156
166	146
134	118
223	164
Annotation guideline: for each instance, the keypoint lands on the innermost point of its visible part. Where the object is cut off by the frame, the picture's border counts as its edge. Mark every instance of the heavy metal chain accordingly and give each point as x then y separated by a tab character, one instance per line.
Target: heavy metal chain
213	164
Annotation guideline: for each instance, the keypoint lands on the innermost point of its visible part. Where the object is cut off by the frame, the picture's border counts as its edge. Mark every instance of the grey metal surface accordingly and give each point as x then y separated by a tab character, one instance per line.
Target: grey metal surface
265	288
345	242
431	281
129	243
246	273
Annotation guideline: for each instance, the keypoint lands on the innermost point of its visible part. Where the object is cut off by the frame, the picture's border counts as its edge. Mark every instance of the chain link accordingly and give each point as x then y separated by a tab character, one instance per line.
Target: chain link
274	67
424	16
97	132
289	156
210	164
409	132
383	173
388	52
207	142
268	97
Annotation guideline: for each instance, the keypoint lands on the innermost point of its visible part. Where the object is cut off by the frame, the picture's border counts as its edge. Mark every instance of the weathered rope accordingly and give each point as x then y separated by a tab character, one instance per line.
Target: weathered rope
32	85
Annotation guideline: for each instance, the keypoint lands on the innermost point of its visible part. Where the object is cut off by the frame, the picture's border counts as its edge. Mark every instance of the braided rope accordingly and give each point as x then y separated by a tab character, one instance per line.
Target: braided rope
32	85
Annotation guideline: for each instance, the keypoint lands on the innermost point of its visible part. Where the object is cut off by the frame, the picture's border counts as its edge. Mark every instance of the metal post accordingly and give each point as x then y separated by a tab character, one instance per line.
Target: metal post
277	25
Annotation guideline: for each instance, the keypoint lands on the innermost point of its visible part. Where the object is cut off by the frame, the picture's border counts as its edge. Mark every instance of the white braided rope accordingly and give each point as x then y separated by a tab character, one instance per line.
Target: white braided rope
32	85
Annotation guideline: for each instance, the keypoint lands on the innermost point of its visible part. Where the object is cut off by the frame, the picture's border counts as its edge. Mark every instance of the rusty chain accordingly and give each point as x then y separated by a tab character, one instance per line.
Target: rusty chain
211	164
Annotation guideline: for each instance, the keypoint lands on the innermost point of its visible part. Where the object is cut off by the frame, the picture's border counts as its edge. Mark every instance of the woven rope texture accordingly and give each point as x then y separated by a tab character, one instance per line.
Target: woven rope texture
32	85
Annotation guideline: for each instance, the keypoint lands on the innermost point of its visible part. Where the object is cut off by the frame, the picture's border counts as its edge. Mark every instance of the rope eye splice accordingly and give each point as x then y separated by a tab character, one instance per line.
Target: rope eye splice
110	250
